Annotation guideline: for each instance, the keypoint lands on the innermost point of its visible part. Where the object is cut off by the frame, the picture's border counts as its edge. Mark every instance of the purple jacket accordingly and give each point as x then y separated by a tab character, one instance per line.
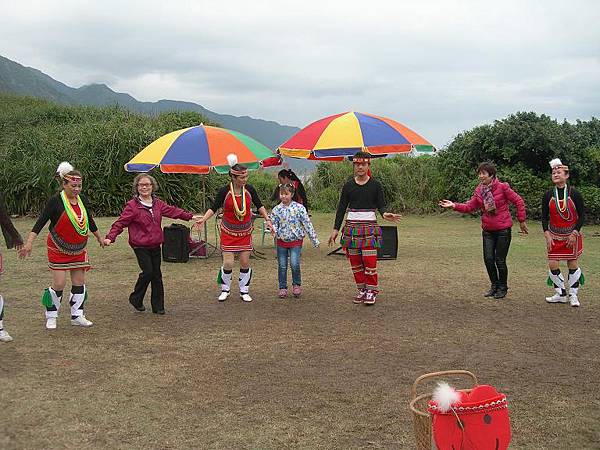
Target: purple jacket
145	228
499	219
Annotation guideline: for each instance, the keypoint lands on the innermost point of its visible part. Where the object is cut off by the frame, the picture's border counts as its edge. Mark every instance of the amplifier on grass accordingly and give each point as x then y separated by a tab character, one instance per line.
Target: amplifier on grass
176	245
389	249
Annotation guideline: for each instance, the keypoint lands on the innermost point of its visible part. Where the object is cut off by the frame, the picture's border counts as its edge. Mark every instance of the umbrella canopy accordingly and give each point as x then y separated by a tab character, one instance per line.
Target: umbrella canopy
345	134
200	148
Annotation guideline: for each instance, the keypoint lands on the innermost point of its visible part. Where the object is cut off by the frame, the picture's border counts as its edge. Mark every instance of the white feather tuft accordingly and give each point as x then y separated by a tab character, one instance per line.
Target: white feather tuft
232	159
64	168
555	163
445	396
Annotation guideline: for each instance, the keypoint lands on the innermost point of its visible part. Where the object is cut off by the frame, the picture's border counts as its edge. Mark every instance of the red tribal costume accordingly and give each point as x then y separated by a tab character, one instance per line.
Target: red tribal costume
562	213
562	219
361	236
236	233
236	224
68	233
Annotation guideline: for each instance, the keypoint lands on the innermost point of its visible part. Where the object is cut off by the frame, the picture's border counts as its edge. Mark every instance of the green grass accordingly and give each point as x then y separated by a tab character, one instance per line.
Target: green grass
318	372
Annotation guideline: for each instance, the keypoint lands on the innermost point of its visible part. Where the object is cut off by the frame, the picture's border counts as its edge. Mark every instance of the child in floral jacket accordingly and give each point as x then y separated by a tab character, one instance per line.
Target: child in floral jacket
291	223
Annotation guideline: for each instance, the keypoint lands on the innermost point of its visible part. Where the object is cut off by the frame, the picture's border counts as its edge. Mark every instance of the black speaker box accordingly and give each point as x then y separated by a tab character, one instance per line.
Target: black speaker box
389	250
176	246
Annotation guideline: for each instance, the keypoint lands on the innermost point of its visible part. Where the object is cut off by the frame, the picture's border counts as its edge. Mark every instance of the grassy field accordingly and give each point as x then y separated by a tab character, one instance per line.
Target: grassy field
314	373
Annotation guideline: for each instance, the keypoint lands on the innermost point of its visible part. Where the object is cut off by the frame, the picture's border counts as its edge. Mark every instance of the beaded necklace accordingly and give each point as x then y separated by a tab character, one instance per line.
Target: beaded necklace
80	223
565	204
239	213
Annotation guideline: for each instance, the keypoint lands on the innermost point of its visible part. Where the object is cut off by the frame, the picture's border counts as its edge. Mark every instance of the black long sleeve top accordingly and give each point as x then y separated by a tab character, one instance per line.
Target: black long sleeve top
577	200
52	212
10	233
220	198
359	196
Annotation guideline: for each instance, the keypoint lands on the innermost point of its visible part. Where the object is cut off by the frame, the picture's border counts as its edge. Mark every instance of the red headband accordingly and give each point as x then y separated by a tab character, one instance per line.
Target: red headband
72	178
361	160
237	173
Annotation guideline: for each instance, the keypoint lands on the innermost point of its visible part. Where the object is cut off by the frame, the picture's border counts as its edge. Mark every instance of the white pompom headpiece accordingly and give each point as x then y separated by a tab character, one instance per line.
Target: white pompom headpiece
232	160
557	163
445	396
63	170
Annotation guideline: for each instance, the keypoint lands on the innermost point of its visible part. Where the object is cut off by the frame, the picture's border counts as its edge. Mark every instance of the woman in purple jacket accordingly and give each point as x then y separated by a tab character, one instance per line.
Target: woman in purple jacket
492	197
143	215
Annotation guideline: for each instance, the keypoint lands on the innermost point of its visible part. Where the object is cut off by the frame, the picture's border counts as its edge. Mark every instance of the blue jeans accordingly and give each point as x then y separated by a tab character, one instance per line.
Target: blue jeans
282	259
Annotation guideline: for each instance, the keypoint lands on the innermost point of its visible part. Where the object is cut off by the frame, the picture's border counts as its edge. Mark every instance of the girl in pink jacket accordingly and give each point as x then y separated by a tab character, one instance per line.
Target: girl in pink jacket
492	197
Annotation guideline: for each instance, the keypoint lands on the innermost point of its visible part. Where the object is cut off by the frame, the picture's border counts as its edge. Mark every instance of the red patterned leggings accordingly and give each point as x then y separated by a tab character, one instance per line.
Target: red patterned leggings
364	267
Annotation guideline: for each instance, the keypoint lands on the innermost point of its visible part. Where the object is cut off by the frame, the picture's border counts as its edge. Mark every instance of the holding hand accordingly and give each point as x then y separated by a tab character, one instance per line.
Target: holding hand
446	204
107	242
270	227
25	250
392	217
199	222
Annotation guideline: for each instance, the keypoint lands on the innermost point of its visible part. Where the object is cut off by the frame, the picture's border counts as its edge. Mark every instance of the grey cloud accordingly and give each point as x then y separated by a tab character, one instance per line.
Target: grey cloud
439	67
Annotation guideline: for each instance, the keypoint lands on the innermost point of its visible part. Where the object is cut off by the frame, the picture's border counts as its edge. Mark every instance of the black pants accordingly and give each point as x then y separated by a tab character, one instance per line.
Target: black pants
495	249
149	261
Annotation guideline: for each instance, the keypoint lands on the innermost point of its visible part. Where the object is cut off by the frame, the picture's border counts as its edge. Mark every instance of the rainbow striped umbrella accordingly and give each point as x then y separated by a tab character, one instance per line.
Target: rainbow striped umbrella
200	148
344	134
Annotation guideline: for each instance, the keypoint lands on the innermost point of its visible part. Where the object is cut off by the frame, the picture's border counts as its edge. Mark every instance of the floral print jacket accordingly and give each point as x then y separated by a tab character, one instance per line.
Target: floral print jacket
292	223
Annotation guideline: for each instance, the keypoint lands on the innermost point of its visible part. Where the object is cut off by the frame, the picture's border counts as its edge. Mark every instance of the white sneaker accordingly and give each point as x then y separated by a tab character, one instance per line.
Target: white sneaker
51	323
557	298
246	297
4	336
81	321
223	296
574	300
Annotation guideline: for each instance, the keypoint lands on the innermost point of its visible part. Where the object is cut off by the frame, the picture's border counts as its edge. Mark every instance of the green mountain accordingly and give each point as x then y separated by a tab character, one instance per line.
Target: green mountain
27	81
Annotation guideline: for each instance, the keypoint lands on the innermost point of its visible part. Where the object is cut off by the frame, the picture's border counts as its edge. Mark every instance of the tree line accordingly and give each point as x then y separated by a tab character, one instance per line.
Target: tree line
35	135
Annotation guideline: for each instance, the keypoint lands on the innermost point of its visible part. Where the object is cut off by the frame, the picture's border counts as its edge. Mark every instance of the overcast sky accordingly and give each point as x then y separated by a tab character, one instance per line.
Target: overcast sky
439	67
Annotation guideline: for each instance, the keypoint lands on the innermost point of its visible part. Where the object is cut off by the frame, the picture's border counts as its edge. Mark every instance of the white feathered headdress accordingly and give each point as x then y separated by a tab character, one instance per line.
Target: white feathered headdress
556	162
64	168
232	160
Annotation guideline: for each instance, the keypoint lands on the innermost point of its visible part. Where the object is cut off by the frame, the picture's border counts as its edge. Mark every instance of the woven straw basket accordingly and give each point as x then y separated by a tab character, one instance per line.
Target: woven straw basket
418	404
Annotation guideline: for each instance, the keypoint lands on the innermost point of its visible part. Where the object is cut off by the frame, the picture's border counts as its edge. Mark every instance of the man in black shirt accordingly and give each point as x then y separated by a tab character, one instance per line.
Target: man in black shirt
361	236
562	219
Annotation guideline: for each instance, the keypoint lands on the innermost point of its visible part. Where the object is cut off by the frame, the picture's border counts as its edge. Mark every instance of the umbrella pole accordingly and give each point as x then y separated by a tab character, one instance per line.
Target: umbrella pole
207	245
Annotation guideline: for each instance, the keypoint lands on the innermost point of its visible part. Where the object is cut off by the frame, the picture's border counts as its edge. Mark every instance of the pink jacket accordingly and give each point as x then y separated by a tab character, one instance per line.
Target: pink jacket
499	219
145	228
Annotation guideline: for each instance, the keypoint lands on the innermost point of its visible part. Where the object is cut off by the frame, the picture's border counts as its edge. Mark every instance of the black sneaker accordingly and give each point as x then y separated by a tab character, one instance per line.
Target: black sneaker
137	307
500	293
492	291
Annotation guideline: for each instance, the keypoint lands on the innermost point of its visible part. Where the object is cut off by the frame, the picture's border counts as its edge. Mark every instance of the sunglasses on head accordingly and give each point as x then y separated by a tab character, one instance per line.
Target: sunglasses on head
286	185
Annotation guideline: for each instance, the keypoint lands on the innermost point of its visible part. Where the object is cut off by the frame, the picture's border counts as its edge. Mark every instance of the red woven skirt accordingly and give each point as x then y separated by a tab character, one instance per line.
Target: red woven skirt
559	250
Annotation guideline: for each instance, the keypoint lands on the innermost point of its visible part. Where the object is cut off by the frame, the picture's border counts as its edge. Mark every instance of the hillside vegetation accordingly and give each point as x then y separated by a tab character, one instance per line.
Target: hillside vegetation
35	135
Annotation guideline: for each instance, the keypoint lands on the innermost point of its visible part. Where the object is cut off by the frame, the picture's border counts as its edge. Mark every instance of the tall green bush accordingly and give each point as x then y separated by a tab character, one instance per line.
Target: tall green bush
409	184
36	135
